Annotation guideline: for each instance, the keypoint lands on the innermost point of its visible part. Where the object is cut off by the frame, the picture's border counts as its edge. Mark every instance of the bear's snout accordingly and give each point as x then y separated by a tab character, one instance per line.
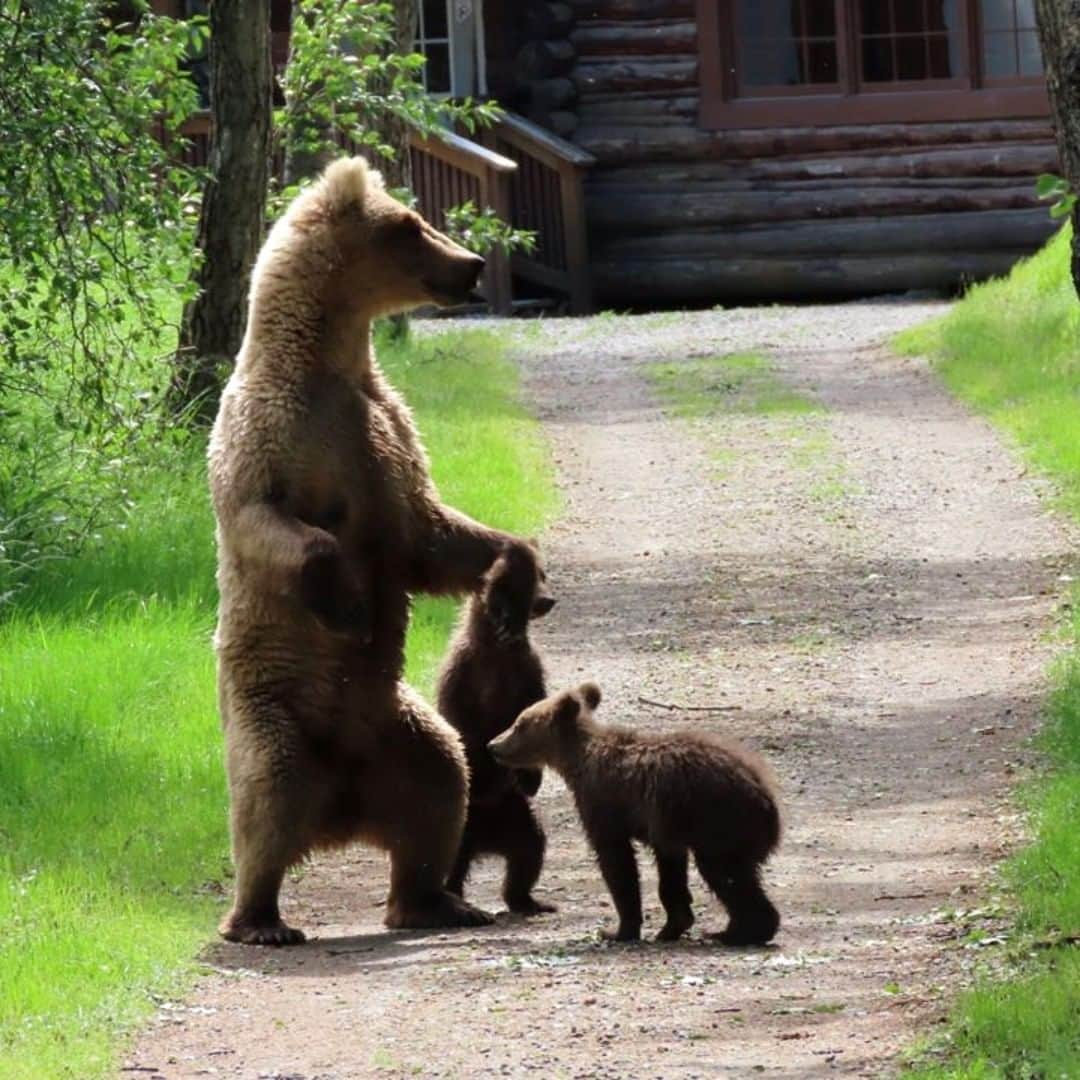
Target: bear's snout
499	746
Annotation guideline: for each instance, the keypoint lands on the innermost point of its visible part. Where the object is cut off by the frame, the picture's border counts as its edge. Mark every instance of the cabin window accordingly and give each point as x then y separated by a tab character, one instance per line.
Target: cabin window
1010	40
449	33
867	60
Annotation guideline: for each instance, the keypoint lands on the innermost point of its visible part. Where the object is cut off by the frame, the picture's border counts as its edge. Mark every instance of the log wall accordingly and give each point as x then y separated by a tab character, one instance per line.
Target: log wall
678	214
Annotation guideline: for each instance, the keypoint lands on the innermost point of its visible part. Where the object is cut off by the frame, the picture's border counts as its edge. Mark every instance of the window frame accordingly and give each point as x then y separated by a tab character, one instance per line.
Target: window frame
969	96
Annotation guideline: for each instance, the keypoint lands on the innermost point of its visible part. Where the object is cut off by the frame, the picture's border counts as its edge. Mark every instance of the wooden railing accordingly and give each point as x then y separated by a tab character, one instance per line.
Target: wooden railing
546	196
448	170
529	177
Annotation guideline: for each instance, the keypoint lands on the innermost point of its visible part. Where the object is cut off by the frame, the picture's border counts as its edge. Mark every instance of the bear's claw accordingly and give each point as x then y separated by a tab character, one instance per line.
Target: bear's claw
272	933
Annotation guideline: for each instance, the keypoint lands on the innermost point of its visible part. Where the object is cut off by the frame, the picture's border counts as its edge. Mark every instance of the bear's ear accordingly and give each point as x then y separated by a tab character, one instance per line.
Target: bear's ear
567	711
590	694
345	183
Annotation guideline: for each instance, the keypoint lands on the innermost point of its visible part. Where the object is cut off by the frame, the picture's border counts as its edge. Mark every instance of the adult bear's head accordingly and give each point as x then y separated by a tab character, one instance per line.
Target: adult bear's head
381	257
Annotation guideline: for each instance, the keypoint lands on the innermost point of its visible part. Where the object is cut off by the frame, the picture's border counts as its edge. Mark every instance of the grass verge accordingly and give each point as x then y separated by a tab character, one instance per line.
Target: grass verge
113	846
1011	349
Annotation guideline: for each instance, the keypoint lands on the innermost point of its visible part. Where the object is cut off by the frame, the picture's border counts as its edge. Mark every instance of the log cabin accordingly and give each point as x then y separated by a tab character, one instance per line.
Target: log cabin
701	152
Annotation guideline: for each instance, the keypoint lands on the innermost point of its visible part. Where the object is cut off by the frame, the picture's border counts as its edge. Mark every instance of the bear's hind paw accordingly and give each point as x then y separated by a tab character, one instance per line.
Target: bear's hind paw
271	933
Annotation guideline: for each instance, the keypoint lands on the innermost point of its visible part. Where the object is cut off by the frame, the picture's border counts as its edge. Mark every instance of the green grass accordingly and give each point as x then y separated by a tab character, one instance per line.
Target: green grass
113	846
1011	349
737	382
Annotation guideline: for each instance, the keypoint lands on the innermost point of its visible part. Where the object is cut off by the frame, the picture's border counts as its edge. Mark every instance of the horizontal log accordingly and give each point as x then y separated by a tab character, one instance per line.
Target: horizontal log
635	38
633	9
948	163
640	110
626	145
544	60
614	209
988	230
552	93
635	75
727	279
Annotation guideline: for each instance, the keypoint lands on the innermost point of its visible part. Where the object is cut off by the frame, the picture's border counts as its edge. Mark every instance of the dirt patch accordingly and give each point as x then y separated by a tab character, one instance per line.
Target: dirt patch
868	586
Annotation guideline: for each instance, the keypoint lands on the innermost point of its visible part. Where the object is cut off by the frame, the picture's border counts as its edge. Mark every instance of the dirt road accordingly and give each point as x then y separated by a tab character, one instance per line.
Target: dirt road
869	585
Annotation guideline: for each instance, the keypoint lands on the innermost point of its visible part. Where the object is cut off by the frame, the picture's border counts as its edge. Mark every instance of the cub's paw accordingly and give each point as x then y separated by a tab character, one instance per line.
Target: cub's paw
528	905
675	927
625	935
442	911
744	935
262	933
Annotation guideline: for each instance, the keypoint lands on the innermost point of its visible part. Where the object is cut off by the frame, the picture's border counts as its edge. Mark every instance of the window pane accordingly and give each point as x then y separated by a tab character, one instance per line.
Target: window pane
941	15
909	16
771	63
437	69
435	19
999	55
875	17
786	42
910	58
820	18
1025	14
1030	53
997	14
942	61
821	62
877	60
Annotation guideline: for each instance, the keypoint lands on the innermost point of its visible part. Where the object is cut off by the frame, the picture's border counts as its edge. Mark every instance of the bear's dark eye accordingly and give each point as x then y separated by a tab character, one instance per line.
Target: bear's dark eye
410	228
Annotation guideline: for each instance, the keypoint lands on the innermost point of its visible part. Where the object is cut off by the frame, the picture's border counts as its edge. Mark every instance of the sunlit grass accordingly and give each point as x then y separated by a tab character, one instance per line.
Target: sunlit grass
1011	349
736	382
113	846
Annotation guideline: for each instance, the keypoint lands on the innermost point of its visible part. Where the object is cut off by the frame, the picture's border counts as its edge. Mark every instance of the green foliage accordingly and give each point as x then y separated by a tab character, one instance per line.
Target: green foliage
1011	349
344	78
1050	186
483	230
346	84
113	847
95	227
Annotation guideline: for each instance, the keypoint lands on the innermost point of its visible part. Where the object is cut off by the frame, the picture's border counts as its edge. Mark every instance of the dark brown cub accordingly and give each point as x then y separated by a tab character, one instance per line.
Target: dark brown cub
491	673
678	793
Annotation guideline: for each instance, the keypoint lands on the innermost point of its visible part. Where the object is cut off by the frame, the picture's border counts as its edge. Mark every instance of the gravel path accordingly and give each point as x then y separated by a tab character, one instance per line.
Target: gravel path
868	586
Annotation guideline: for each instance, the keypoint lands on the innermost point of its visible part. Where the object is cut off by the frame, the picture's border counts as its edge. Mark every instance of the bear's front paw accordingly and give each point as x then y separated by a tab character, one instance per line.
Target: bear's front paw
333	595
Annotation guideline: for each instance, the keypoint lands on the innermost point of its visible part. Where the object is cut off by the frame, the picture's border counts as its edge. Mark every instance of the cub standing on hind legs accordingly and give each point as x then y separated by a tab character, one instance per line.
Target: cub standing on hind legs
678	793
491	673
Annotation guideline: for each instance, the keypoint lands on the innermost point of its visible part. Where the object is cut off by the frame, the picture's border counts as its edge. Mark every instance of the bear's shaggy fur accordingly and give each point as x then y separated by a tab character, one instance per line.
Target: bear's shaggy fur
677	793
327	521
490	674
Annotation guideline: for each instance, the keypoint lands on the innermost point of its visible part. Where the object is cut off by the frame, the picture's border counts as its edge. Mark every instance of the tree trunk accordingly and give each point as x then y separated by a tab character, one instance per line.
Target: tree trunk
1059	34
398	173
231	221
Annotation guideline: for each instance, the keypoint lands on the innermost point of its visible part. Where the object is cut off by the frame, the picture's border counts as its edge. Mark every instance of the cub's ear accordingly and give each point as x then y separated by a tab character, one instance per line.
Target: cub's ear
567	711
590	694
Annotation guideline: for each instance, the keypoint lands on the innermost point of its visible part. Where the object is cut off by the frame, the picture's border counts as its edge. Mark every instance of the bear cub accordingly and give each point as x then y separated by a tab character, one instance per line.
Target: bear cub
490	675
677	793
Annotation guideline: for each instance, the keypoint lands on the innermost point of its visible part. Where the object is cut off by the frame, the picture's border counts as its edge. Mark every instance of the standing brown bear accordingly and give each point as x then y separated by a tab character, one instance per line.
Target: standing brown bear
677	793
327	522
490	674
